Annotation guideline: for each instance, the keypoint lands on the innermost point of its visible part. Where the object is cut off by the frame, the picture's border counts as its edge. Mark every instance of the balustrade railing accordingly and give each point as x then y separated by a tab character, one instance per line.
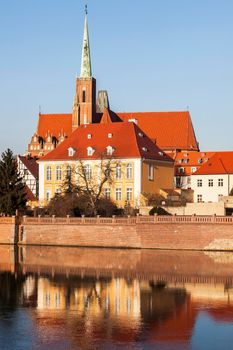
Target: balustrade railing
130	220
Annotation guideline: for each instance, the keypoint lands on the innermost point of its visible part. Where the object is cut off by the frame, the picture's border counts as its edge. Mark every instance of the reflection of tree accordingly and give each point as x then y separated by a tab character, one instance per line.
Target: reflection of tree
10	290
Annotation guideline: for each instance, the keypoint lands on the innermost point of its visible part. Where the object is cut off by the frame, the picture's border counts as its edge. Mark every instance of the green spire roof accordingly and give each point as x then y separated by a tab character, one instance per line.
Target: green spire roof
86	55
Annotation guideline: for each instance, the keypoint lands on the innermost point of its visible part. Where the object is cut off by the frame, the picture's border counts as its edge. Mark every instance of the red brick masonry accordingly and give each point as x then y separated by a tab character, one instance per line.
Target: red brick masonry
159	232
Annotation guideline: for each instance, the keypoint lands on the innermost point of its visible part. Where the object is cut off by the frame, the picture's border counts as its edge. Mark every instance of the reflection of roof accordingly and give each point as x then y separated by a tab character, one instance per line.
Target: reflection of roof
54	123
220	163
171	130
31	164
126	140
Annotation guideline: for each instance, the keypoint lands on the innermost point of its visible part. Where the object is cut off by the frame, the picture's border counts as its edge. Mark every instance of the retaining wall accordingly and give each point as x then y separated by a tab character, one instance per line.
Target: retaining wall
177	232
8	230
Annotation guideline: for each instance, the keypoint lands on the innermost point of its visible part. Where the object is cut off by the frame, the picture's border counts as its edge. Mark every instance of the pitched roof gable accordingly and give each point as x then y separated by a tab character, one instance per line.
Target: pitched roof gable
123	137
220	163
170	130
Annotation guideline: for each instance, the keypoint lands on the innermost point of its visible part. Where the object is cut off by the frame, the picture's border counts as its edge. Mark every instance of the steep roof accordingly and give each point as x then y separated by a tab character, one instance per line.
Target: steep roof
170	130
54	123
31	164
220	163
127	140
106	118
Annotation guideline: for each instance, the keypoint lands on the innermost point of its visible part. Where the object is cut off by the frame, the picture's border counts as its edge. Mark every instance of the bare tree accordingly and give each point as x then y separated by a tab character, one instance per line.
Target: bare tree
91	179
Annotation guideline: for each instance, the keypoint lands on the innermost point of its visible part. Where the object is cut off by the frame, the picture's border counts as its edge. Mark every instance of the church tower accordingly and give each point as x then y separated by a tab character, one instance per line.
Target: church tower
84	106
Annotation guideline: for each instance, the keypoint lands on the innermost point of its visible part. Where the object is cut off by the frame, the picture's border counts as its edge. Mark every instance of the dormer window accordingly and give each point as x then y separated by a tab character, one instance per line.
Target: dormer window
140	134
145	149
109	135
71	152
89	136
161	153
90	151
110	150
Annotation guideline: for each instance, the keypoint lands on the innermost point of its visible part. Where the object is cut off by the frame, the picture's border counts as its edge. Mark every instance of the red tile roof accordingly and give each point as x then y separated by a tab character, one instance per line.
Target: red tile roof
171	130
188	160
29	195
127	139
220	163
54	123
106	118
31	164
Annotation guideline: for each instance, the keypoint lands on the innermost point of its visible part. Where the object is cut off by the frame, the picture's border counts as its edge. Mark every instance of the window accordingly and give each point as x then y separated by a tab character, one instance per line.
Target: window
210	182
193	169
140	134
199	198
71	152
68	171
181	170
107	193
118	194
129	194
58	173
109	135
49	173
90	151
145	149
89	136
199	183
58	191
220	182
220	196
129	171
199	160
186	161
118	172
88	171
84	95
150	172
110	150
48	195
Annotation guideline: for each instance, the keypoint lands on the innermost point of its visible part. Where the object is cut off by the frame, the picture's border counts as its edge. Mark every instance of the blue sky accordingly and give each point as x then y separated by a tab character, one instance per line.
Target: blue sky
151	55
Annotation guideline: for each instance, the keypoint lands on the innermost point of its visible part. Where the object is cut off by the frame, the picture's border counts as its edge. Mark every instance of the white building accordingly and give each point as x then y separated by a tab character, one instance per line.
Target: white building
214	179
29	171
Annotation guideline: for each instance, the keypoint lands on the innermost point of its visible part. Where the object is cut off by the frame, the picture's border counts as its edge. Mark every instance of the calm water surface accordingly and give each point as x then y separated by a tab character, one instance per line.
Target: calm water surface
73	298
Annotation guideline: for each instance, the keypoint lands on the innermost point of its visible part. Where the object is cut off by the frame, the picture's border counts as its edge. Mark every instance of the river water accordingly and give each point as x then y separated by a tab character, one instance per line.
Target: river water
74	298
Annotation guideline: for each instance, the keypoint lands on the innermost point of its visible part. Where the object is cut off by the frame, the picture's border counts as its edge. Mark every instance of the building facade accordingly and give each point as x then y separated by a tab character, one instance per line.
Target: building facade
214	179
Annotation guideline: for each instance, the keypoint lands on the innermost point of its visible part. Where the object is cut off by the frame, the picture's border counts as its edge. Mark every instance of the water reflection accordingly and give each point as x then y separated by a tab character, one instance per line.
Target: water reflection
70	302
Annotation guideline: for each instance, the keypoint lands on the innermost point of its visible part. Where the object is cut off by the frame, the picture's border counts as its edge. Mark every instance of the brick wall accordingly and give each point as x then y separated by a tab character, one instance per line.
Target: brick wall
7	232
152	236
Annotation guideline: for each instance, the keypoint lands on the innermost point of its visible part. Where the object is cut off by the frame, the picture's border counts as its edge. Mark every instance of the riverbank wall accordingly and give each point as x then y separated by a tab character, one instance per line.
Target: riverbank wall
141	232
9	230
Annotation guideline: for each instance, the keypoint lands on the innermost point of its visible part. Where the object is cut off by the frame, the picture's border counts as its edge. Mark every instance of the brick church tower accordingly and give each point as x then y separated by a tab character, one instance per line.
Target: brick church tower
84	106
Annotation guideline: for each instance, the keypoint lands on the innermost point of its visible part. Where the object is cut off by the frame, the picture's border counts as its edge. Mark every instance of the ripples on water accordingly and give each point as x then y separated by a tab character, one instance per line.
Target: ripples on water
71	298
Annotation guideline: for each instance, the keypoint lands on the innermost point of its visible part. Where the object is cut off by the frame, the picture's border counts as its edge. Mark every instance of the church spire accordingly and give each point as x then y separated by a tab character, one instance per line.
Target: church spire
86	56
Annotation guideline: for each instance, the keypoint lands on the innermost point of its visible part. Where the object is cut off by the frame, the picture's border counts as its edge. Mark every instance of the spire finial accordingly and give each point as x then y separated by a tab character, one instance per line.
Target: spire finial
86	55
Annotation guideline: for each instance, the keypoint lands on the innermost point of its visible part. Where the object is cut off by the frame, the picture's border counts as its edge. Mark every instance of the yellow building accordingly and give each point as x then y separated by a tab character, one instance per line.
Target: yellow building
130	162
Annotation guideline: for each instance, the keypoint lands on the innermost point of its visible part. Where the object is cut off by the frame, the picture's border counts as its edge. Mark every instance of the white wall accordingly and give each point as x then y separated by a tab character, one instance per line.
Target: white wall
211	194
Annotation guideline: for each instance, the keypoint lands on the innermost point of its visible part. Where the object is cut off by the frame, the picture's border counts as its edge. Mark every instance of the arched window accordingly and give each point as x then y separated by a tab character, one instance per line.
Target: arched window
58	173
129	171
48	173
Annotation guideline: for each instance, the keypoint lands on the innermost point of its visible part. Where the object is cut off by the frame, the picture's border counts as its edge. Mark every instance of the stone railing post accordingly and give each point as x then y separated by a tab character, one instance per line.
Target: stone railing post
193	219
67	219
128	219
39	218
174	218
213	218
138	218
53	219
83	219
114	219
98	219
155	217
24	219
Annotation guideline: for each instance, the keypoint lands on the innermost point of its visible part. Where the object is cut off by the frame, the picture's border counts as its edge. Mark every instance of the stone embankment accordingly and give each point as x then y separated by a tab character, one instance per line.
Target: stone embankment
143	232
